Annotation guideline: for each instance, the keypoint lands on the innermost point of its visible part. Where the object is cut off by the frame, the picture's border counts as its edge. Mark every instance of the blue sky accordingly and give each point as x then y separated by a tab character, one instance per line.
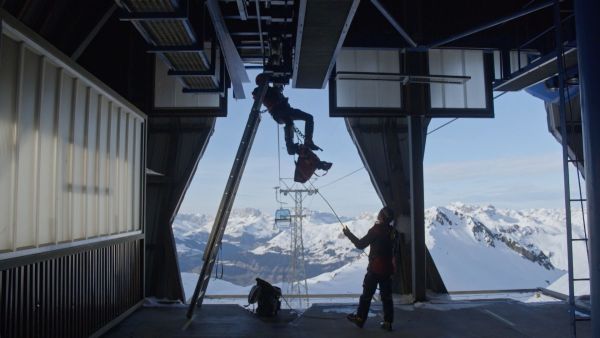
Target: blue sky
510	161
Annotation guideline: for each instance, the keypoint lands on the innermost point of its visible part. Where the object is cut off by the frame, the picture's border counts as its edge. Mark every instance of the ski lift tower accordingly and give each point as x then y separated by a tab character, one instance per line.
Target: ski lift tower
298	287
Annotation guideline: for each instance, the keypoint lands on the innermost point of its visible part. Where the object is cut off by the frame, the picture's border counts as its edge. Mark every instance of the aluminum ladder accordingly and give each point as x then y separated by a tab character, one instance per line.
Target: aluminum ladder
569	200
216	235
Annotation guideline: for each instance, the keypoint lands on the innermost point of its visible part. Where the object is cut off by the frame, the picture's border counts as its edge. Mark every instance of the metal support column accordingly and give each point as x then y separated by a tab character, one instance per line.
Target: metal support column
417	206
588	53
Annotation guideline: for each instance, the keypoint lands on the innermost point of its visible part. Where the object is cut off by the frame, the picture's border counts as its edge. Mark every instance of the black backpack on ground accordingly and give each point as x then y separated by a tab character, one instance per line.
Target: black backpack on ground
267	296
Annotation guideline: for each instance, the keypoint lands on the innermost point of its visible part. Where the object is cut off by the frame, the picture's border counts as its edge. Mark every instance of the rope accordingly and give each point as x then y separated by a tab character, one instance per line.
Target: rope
497	96
442	126
456	118
289	306
341	178
278	152
328	204
335	213
299	134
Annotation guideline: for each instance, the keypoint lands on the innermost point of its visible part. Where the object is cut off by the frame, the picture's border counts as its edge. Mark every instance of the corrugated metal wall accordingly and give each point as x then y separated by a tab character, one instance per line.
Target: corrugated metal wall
70	151
73	295
72	180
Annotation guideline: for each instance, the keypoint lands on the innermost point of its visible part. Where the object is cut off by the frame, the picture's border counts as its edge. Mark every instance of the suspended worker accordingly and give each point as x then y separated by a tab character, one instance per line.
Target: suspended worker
283	113
381	239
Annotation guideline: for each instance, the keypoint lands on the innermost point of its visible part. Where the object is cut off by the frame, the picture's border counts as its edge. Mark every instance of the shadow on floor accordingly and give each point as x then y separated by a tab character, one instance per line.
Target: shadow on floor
498	318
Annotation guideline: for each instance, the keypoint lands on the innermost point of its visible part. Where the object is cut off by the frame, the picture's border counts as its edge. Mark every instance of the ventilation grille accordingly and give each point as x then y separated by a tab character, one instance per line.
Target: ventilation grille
170	32
200	82
187	61
145	6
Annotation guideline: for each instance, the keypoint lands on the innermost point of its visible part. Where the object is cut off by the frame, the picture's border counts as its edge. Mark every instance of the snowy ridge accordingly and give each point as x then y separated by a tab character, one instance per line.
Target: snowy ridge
474	247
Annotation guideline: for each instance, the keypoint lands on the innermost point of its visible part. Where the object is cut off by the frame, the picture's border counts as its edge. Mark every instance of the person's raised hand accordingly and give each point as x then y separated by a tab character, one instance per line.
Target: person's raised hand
346	231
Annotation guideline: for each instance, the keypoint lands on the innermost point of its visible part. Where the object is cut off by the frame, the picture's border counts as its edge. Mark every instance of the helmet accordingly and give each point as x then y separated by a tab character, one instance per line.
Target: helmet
388	214
261	79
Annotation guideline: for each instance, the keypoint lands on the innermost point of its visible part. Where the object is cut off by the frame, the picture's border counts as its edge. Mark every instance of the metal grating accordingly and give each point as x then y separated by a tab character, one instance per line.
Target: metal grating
187	61
73	295
169	33
150	5
200	82
174	33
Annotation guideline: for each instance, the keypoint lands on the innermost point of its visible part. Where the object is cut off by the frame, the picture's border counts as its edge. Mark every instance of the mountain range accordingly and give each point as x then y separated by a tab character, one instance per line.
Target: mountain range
474	248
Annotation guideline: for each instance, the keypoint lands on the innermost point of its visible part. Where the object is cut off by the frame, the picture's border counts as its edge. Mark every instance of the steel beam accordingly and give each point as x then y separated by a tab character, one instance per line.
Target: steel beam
321	30
489	25
416	132
92	34
241	5
588	28
393	22
233	61
534	72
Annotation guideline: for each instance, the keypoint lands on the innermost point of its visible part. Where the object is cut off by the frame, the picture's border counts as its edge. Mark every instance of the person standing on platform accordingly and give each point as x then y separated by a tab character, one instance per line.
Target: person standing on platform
381	239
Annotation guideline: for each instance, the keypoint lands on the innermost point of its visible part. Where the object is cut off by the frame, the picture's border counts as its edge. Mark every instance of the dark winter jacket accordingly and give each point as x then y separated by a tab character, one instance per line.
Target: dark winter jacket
381	255
273	99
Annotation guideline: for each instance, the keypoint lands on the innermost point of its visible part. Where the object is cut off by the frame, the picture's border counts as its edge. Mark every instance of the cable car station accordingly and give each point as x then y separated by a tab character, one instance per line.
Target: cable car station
107	108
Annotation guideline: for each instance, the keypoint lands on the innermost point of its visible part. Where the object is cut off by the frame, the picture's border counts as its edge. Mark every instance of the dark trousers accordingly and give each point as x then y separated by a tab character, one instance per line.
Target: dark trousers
385	290
287	115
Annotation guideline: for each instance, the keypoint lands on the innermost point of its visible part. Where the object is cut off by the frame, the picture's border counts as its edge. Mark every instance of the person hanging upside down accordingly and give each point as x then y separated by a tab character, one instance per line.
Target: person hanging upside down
283	113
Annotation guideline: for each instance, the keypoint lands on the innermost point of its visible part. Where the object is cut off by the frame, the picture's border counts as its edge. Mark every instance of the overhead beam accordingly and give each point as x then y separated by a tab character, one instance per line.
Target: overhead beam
321	31
536	71
241	5
393	22
92	34
233	61
491	24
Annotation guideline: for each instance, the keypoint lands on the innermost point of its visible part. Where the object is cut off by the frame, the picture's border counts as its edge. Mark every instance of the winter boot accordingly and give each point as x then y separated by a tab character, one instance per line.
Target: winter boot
311	145
356	320
324	165
386	326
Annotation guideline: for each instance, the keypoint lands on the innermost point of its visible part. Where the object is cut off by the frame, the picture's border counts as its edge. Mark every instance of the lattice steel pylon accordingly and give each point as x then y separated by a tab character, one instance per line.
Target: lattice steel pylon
298	287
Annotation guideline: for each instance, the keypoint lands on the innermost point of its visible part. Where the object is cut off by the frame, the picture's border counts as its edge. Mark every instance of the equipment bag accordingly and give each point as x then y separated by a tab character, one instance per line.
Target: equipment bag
306	164
267	296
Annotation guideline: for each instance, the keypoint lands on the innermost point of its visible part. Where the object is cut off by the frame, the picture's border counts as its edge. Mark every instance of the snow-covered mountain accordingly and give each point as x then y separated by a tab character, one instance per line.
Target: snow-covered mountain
474	247
253	246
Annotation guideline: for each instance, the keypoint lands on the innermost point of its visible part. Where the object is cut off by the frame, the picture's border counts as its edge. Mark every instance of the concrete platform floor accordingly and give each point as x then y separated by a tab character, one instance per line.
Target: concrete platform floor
499	318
